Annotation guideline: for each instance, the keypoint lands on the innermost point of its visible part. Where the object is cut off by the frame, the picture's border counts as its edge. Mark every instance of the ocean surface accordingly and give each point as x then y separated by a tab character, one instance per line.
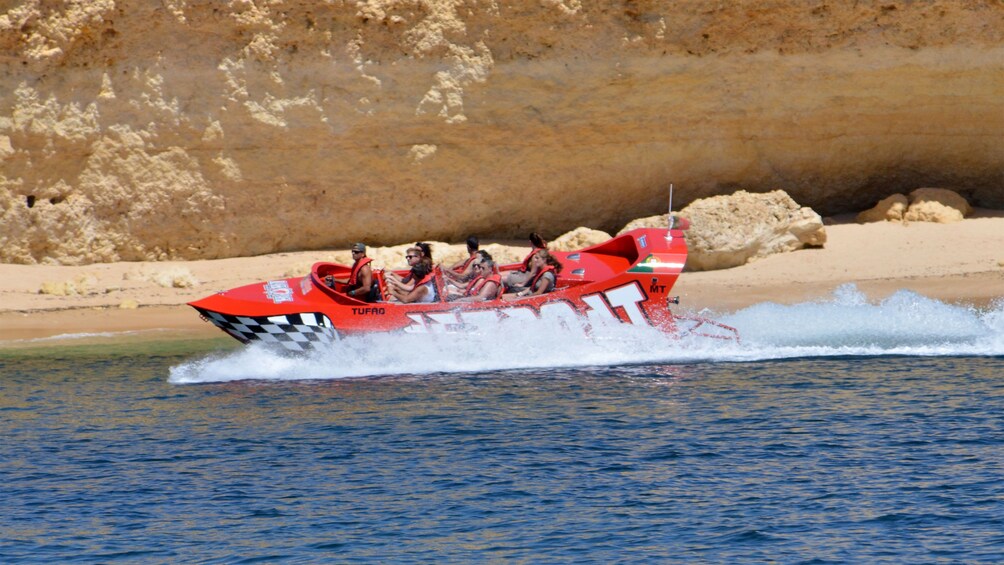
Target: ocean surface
838	431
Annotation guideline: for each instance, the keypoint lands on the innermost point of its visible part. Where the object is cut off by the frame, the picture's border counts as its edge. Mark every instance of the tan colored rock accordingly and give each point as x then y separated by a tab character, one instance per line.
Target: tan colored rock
444	254
728	231
577	239
301	268
937	205
393	257
661	221
128	304
56	288
175	277
80	285
196	129
505	254
889	209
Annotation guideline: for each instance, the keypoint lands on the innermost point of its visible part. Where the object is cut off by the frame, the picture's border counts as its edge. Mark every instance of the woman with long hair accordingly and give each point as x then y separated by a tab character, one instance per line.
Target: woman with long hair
424	289
545	279
516	280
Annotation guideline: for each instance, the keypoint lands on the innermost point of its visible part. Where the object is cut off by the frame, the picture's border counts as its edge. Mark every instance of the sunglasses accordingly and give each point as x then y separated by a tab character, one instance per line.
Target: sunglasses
477	266
410	256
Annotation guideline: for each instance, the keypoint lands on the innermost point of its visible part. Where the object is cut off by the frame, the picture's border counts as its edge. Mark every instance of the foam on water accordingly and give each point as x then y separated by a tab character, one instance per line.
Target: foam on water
72	336
69	337
906	323
845	324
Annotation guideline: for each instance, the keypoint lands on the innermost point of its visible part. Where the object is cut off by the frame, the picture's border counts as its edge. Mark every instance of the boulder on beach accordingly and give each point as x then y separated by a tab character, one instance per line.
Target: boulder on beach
577	239
728	231
937	205
889	209
659	221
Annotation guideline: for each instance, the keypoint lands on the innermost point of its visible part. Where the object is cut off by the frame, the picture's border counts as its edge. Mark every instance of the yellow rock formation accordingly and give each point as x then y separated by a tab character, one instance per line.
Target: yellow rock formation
195	129
728	231
924	205
936	205
889	209
578	238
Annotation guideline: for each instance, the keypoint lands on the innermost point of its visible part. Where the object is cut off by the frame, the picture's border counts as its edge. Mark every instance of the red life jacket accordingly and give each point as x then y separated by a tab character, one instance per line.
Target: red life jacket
477	284
431	277
466	264
500	289
425	279
547	269
354	276
526	261
474	286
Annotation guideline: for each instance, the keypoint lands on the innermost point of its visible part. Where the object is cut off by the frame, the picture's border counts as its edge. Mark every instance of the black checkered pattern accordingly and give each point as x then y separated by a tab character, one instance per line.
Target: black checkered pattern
295	332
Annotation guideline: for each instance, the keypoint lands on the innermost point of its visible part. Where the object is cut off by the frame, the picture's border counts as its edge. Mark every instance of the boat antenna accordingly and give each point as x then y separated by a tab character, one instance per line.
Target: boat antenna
669	216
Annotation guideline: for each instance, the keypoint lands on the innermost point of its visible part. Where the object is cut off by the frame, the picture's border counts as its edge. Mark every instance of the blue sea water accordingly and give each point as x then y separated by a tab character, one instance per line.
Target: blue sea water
838	431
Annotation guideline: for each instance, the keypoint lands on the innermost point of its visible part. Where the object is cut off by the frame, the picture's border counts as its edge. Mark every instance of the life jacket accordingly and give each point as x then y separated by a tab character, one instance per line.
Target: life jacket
358	266
474	286
466	264
500	288
431	277
477	284
497	277
547	269
526	261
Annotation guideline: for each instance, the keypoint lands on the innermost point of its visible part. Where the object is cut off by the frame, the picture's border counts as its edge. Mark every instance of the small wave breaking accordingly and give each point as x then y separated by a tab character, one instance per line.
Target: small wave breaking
845	324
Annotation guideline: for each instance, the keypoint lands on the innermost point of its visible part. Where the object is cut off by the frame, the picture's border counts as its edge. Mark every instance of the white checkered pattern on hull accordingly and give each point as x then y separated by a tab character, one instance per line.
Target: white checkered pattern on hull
295	332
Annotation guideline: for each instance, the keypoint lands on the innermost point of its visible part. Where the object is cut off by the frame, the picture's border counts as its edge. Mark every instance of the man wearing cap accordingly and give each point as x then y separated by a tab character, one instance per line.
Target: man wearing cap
360	280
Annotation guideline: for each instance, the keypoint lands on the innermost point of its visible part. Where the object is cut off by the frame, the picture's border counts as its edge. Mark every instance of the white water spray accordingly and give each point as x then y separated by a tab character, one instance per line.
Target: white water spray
846	324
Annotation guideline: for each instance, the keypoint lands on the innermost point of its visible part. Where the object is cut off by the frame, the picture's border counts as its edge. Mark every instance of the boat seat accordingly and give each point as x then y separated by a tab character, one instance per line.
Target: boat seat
380	284
438	282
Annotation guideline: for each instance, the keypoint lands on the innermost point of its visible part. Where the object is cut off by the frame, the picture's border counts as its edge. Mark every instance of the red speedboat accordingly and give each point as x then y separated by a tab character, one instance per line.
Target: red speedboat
627	278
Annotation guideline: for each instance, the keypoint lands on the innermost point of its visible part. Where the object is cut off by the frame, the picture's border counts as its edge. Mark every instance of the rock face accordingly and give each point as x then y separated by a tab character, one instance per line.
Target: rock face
728	231
195	129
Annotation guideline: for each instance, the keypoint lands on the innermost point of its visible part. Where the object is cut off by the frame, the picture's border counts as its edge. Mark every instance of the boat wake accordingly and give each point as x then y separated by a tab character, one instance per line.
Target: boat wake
845	324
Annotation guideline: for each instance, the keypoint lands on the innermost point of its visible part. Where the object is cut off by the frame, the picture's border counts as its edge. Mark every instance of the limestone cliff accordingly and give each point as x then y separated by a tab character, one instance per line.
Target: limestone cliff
135	130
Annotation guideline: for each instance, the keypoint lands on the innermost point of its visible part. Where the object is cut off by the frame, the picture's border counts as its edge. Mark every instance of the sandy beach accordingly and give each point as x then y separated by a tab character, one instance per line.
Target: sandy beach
959	263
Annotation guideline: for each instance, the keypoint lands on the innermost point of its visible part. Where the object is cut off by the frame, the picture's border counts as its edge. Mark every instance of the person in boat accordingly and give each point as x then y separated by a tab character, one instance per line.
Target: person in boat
395	282
426	252
360	284
463	270
517	280
545	279
454	287
424	289
486	284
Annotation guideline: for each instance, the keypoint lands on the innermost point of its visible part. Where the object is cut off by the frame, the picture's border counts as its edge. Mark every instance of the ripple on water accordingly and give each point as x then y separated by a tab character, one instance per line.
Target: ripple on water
807	460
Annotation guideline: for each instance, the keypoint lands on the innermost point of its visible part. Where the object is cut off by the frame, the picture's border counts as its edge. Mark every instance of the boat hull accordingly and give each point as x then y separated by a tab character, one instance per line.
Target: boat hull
626	279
